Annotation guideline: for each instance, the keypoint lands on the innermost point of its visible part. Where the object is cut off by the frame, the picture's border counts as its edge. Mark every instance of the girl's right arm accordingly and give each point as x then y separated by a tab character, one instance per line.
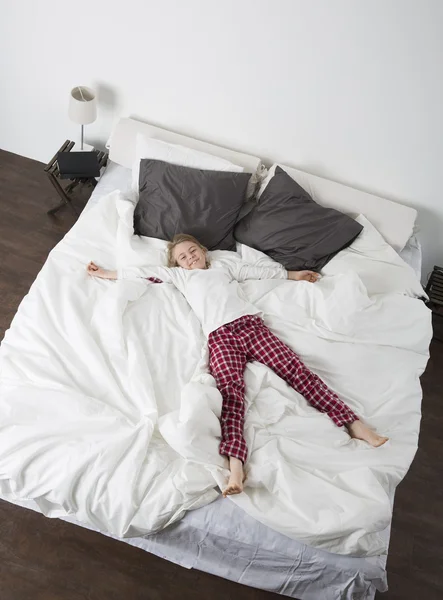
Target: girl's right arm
132	273
96	271
164	273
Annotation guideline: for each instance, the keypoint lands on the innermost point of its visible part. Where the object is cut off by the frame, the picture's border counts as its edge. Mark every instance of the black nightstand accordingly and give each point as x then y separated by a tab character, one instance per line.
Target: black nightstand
53	173
434	290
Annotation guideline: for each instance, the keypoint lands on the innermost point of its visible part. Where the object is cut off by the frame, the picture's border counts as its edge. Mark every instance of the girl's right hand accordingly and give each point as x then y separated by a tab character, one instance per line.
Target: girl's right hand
96	271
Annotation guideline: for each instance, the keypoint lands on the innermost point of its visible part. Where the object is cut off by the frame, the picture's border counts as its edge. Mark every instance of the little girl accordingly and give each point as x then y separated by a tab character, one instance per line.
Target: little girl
237	334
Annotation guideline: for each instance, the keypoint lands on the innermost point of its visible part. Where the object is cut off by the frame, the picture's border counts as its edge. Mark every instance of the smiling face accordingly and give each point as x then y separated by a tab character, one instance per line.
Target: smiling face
189	255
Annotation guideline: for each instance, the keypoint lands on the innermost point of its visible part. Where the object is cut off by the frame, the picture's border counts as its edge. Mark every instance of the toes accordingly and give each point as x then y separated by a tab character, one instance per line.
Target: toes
381	441
377	441
231	490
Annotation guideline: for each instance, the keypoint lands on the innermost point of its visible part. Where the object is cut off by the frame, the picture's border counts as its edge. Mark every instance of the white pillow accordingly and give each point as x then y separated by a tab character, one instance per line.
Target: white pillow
377	264
394	221
369	256
176	155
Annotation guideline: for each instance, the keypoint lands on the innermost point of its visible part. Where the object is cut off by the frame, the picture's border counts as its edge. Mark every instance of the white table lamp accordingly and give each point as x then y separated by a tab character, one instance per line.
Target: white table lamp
82	107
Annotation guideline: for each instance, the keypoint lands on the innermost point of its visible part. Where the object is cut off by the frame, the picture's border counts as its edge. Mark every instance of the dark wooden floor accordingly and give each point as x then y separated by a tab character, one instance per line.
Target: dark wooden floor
47	559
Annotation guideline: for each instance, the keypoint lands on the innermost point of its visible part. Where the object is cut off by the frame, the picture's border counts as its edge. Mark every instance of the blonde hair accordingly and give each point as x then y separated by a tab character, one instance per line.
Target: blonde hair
178	239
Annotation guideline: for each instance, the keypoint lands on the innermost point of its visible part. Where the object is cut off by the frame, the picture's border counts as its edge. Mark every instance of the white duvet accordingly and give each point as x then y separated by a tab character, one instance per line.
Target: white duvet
107	411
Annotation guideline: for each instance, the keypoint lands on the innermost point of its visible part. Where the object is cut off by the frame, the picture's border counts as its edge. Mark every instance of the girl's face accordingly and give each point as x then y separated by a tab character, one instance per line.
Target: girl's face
189	255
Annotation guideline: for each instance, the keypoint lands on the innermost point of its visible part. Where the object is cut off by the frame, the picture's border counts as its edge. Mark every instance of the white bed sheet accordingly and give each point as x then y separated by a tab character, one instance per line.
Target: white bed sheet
208	522
412	255
222	539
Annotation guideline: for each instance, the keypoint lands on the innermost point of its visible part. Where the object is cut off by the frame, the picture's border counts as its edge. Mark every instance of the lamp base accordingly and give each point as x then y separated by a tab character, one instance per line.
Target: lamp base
78	148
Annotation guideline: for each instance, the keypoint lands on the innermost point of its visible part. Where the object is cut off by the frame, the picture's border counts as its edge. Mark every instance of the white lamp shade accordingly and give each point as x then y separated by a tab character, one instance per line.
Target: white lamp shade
82	105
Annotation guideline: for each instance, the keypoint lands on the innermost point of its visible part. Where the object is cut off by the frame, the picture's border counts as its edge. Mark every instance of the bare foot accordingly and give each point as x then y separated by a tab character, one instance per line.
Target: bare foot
236	479
360	431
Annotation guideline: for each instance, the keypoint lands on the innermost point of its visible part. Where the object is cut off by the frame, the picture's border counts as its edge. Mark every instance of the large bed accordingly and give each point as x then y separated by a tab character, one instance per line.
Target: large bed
54	417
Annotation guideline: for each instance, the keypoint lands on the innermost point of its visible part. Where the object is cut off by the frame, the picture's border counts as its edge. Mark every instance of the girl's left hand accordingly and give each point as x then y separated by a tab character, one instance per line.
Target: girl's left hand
310	276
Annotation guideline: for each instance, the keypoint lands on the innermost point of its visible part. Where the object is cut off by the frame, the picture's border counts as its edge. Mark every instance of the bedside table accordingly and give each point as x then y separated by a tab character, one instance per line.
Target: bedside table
53	174
434	290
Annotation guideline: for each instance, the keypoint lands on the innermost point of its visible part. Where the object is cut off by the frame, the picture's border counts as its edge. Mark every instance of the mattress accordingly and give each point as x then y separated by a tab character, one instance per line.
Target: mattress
222	539
199	539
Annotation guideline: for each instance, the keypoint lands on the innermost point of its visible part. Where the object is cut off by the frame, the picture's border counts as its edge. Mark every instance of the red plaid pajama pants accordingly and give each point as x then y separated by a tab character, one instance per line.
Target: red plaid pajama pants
246	339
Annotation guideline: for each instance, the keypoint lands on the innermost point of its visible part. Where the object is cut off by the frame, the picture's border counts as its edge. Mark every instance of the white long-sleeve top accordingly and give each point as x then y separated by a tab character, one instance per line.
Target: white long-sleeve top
213	293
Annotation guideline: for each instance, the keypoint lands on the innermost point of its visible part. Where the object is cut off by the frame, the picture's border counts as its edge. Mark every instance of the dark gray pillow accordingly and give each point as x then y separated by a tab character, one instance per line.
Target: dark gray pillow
175	199
294	230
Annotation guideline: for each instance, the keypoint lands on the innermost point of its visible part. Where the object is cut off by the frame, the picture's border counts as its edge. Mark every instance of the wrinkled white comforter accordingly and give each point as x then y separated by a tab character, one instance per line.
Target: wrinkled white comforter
107	411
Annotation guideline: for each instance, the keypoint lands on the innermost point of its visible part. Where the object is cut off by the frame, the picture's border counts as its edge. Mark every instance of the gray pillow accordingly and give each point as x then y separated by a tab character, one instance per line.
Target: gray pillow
175	199
294	230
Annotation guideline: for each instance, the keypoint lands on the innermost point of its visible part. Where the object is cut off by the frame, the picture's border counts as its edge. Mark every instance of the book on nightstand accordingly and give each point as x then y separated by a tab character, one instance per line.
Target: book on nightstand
73	165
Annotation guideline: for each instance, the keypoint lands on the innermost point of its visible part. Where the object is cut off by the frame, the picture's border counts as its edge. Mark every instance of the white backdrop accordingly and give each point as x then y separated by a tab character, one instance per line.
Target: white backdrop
349	90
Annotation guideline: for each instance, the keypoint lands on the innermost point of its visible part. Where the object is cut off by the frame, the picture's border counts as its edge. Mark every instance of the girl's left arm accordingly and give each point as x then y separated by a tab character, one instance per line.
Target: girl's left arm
310	276
243	271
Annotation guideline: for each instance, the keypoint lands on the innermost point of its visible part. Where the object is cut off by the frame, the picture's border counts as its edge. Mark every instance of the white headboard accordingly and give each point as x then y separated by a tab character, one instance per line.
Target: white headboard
393	220
121	144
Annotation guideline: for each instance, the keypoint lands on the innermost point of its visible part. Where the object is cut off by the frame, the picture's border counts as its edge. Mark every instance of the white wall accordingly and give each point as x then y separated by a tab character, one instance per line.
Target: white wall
348	89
